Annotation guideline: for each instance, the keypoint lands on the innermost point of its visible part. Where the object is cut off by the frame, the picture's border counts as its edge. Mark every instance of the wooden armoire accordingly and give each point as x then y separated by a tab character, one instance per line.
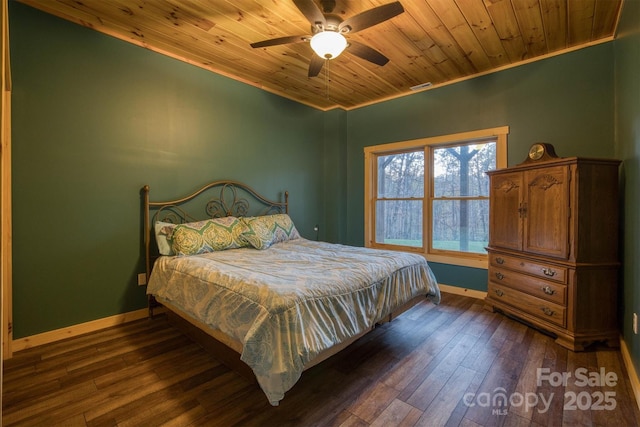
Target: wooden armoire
553	246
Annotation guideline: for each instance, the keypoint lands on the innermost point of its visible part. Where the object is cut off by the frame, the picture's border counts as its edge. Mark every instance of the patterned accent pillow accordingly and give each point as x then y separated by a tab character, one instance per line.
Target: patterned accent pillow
210	235
283	228
264	231
258	233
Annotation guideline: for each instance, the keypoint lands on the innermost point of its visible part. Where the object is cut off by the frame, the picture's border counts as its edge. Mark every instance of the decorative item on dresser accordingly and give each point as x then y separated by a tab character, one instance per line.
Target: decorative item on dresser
553	246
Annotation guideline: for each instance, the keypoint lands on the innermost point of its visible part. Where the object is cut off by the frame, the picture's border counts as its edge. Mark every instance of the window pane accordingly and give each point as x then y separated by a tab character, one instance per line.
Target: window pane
461	225
399	222
460	170
401	175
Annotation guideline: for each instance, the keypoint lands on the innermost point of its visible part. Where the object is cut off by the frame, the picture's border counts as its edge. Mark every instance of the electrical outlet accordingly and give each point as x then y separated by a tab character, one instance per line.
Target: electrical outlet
142	279
635	323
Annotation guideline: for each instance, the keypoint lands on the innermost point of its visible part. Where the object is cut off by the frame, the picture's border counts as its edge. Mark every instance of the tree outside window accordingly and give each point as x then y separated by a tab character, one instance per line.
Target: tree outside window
432	195
400	199
460	202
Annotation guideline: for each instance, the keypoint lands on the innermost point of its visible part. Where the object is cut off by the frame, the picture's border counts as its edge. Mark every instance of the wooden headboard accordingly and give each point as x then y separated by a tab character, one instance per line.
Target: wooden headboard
215	200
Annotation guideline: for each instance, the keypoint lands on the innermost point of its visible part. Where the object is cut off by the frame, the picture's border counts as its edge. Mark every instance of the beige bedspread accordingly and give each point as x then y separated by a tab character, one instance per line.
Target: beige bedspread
288	303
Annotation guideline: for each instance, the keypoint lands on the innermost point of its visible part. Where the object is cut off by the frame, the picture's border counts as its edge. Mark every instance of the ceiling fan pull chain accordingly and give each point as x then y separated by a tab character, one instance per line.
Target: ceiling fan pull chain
326	78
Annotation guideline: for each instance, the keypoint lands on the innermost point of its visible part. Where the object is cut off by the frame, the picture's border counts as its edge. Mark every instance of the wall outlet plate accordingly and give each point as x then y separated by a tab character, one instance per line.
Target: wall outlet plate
142	279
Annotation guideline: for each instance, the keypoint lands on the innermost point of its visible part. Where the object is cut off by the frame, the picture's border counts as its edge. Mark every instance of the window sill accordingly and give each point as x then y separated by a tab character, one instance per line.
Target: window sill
471	261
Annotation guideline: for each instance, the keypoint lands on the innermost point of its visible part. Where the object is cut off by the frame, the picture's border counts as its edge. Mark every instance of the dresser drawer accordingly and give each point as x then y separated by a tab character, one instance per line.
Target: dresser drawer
544	310
539	269
540	288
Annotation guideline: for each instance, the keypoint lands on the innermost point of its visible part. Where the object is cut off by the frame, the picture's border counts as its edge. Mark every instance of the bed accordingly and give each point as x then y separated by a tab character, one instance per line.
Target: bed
246	278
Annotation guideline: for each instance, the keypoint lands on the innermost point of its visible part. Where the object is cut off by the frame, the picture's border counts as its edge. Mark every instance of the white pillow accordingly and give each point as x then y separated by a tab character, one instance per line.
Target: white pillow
164	230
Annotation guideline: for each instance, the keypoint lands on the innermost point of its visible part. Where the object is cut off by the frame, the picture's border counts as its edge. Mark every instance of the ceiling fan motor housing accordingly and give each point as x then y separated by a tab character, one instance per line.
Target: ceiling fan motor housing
332	23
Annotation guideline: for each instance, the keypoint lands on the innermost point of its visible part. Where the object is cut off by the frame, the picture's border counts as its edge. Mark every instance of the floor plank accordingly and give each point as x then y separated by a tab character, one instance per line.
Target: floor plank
454	364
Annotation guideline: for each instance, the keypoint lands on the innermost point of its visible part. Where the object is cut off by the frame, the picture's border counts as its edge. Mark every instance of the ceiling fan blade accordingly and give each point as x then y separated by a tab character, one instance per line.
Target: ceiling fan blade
371	17
312	12
366	52
281	40
315	65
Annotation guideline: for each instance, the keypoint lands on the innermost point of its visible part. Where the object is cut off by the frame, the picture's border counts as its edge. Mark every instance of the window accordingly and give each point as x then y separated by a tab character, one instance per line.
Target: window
400	199
432	195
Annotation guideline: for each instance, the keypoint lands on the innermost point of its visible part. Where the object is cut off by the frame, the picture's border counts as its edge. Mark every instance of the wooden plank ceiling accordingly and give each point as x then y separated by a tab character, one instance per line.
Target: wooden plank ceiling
436	41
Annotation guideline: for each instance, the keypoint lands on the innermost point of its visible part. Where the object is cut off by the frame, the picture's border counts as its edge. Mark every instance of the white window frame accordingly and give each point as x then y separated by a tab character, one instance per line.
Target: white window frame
371	155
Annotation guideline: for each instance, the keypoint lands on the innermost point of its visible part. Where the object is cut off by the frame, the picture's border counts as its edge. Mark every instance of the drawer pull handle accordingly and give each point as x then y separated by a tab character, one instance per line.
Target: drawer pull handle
499	275
547	311
500	260
548	272
548	290
499	292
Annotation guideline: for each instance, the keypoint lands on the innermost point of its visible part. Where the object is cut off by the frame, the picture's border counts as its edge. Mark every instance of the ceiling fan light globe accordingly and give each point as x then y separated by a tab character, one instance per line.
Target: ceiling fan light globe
328	44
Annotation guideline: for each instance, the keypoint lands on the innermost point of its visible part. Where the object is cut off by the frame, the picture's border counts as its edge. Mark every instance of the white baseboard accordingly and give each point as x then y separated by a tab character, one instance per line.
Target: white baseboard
75	330
462	291
631	370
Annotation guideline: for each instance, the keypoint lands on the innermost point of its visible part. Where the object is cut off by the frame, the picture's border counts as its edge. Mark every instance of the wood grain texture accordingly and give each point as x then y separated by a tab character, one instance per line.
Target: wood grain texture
553	256
413	371
437	41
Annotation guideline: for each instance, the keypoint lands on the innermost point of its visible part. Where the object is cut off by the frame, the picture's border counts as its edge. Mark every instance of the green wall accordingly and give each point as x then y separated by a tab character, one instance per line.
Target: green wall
334	226
627	89
566	100
96	118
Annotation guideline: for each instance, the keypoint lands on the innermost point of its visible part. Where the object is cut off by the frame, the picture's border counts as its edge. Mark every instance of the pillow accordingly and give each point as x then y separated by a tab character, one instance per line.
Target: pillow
263	231
210	235
258	233
283	228
163	231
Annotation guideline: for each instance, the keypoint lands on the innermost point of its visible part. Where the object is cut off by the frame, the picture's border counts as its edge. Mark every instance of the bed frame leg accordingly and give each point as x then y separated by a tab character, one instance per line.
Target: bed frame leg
151	301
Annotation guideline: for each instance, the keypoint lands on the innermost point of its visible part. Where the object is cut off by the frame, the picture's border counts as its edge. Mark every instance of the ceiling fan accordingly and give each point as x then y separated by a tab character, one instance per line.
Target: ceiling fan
328	32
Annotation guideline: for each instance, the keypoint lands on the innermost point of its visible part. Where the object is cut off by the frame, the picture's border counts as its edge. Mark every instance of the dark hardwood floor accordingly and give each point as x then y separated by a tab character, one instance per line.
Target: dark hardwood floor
451	364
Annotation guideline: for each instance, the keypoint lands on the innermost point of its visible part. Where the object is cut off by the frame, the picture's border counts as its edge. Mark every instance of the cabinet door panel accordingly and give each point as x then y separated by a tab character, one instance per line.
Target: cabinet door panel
546	223
505	223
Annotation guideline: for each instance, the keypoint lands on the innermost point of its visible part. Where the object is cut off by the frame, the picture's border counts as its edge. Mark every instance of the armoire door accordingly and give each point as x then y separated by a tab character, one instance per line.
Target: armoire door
506	210
546	201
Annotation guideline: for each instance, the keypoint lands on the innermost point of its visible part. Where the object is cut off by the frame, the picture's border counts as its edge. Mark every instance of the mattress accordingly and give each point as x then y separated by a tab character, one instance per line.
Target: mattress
292	301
